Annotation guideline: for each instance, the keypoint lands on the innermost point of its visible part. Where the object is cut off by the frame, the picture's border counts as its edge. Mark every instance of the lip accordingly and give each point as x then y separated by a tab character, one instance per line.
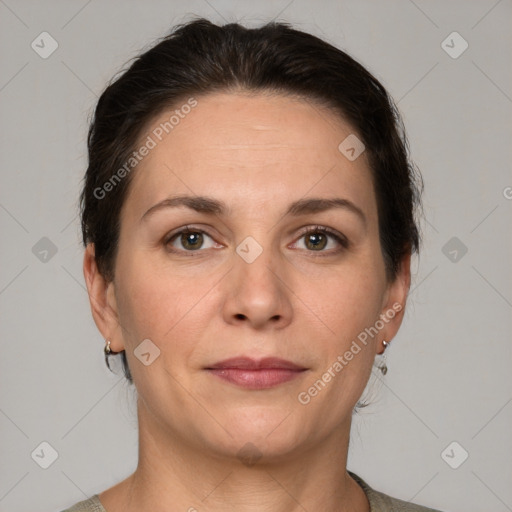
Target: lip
247	363
256	374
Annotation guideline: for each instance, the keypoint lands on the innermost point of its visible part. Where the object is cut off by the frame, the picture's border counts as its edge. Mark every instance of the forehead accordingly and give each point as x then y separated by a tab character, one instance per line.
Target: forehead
235	146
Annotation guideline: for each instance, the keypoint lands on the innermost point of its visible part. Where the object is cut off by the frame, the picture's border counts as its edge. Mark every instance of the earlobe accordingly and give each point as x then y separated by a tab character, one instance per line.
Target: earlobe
102	299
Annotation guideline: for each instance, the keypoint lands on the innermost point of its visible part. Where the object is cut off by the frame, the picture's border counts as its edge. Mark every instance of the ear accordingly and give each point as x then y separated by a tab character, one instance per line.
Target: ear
393	309
103	301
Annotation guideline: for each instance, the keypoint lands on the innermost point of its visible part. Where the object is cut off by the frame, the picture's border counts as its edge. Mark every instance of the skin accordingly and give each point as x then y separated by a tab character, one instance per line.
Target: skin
257	153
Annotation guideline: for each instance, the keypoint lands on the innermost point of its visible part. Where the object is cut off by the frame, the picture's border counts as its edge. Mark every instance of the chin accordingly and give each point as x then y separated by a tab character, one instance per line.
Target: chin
257	434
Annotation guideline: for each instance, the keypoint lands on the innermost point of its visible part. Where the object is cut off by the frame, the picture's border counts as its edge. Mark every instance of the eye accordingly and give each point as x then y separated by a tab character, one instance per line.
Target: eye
316	239
191	240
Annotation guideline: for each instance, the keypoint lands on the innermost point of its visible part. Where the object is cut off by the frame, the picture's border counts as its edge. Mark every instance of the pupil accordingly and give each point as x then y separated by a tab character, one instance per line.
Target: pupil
191	239
316	240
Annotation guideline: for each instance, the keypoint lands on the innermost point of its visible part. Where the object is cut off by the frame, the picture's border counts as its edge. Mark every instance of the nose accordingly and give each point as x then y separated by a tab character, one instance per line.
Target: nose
256	293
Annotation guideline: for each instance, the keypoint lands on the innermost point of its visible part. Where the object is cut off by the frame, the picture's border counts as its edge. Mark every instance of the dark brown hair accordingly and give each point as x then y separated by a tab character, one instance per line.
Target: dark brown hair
198	58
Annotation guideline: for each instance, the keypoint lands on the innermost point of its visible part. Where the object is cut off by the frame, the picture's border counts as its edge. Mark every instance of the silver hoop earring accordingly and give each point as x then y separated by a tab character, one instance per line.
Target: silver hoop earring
381	365
108	351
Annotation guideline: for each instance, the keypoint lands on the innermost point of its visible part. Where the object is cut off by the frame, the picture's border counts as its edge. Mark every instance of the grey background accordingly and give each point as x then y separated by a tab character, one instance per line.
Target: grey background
449	373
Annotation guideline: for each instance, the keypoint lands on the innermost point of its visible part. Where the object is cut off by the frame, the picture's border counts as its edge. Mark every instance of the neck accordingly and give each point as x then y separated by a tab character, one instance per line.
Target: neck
174	476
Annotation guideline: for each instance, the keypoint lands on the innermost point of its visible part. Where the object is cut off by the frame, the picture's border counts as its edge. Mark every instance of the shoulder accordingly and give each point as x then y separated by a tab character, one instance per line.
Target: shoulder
92	504
380	502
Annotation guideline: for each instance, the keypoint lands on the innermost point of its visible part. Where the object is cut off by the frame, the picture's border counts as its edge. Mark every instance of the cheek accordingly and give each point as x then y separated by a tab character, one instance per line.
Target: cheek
348	300
156	306
156	301
348	303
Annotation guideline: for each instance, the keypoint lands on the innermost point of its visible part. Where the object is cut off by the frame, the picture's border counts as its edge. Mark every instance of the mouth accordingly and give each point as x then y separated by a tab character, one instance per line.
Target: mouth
256	374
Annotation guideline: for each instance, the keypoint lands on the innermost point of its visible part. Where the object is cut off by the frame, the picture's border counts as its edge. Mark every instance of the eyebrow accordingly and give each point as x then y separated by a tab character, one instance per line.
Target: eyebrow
211	206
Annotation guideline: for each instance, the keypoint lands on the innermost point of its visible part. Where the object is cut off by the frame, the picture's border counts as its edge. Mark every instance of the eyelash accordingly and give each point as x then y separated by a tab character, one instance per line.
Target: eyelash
313	229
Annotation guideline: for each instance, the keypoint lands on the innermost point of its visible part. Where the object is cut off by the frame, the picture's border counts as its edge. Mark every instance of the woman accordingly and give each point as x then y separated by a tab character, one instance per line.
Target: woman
248	215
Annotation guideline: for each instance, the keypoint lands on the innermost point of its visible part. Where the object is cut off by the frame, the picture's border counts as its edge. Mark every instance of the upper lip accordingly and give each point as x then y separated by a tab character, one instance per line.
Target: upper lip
247	363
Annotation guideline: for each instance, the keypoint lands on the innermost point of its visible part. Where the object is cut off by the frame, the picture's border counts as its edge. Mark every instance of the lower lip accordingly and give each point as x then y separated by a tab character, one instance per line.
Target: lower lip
256	379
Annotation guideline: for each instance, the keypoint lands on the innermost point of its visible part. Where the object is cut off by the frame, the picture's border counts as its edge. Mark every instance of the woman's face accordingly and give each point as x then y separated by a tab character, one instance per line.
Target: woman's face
247	282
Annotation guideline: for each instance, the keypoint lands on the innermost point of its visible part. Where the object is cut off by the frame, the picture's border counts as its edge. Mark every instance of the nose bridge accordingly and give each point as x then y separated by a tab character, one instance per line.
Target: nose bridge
255	292
255	266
